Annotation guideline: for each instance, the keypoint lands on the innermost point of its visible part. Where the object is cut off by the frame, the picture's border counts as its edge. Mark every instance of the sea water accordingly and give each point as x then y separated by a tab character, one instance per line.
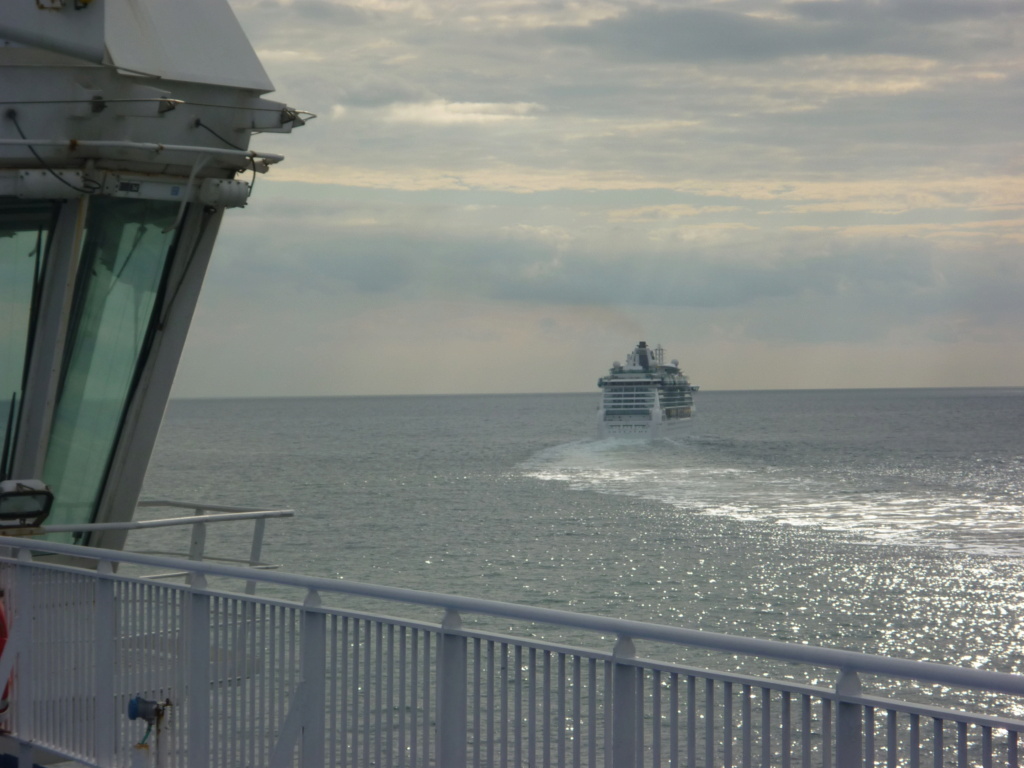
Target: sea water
882	521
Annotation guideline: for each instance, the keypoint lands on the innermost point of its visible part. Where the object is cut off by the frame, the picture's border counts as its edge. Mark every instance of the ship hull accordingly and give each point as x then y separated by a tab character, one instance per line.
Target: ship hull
641	428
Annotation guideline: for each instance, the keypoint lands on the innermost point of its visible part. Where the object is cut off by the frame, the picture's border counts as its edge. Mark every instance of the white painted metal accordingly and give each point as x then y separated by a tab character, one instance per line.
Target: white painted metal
189	40
261	682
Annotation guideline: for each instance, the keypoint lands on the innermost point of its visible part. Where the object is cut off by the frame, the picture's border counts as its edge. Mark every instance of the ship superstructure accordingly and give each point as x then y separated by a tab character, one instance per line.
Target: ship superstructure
646	397
124	135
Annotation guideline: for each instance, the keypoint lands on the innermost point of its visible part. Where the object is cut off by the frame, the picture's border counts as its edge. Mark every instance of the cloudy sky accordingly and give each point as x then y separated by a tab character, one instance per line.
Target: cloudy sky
505	195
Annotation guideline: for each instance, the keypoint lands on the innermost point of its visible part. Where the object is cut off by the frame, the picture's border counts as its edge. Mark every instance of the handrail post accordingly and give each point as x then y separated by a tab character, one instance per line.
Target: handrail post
199	674
256	552
105	640
849	718
451	693
197	545
624	704
314	672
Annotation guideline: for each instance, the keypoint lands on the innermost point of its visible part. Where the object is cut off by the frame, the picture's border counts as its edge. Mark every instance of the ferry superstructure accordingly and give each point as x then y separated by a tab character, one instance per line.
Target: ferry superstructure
124	136
646	397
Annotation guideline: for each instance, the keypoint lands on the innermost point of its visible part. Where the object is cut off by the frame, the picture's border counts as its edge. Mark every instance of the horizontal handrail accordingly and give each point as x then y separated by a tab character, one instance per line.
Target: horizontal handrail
166	522
199	505
840	659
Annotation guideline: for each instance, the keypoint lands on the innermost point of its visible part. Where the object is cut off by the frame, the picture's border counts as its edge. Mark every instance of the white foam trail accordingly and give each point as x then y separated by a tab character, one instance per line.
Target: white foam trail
676	475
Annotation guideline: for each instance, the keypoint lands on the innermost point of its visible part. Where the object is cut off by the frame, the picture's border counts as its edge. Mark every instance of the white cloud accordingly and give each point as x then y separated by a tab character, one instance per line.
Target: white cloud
798	182
441	112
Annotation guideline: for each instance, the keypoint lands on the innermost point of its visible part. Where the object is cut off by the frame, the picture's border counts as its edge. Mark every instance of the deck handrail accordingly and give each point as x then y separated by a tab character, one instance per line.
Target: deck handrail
851	661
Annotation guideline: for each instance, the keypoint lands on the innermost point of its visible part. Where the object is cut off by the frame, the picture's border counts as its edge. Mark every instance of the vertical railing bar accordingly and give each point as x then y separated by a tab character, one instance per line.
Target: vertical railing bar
869	735
390	696
517	725
222	711
378	689
231	683
827	745
504	703
691	721
986	746
64	682
343	695
655	717
78	734
313	660
242	666
426	699
915	741
451	683
891	739
638	716
367	678
503	728
673	732
47	697
562	710
492	672
937	742
294	635
532	720
766	726
53	703
709	721
546	702
270	719
211	682
170	613
805	731
404	708
592	713
246	634
577	711
414	681
177	627
727	725
36	675
220	714
609	690
85	737
333	757
477	698
104	625
229	717
1012	752
961	744
747	719
787	729
199	683
357	666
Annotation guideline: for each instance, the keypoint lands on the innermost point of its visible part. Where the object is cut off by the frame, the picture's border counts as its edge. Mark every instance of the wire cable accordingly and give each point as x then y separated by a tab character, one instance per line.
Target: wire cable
93	186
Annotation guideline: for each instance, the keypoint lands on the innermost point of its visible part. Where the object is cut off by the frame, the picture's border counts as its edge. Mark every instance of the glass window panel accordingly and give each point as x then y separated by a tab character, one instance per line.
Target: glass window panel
25	230
124	257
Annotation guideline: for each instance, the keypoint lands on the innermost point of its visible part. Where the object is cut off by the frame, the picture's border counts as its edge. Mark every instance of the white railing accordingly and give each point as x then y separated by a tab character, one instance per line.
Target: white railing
238	680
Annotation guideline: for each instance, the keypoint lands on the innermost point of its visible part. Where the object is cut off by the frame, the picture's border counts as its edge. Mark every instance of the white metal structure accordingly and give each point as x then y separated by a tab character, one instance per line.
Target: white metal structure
646	397
124	133
321	681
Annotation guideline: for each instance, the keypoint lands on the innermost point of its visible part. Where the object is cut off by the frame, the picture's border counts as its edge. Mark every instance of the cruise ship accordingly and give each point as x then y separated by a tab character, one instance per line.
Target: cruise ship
646	397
